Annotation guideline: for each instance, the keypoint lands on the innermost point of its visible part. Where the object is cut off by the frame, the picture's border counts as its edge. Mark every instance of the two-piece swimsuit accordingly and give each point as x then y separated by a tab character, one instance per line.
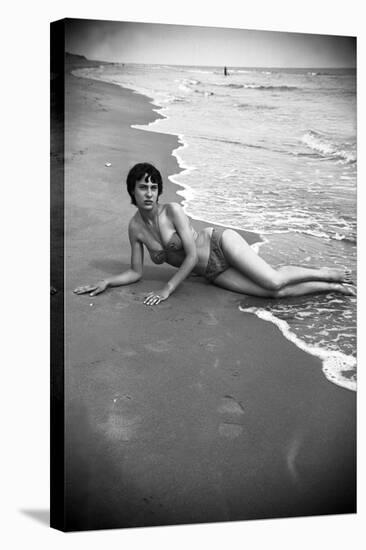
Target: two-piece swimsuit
216	264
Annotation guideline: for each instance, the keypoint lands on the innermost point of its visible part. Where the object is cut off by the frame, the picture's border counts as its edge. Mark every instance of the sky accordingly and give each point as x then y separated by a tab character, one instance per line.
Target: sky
127	42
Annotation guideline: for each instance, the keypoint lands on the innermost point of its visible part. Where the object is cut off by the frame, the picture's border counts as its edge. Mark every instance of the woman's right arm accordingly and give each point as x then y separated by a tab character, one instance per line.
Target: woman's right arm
132	275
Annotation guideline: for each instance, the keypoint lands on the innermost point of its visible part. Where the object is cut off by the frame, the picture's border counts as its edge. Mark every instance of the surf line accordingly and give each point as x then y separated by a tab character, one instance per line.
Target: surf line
187	192
334	363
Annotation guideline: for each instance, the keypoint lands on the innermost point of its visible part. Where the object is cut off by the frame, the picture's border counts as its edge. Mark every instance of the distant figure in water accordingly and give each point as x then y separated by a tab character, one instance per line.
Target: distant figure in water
225	71
220	255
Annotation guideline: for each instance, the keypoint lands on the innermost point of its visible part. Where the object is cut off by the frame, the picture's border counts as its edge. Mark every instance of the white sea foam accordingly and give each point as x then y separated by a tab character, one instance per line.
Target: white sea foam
239	71
188	194
198	71
326	146
335	364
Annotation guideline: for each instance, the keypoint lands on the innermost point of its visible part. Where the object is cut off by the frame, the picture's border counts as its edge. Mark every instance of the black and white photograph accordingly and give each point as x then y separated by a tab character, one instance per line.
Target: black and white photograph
182	275
203	233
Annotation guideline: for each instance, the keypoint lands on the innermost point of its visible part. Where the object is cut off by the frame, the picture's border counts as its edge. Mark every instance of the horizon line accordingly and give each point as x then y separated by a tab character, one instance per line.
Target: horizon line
210	66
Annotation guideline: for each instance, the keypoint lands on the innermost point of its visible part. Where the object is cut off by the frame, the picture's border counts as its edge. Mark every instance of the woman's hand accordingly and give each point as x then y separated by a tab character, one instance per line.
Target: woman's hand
93	290
154	298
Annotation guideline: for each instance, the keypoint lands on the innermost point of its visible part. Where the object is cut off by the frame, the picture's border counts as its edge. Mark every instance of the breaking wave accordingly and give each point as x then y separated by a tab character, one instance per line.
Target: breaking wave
261	87
326	146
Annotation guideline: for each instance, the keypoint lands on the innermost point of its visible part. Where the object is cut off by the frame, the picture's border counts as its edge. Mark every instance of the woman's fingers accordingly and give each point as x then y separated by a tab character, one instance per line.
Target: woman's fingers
153	302
84	289
98	290
148	297
99	287
152	299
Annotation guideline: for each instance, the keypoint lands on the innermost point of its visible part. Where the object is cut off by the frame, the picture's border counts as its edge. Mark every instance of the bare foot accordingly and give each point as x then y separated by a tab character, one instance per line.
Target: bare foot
347	276
346	289
341	275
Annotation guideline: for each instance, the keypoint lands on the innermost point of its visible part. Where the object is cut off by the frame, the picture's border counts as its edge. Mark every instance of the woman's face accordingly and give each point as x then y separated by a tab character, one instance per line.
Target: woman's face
146	193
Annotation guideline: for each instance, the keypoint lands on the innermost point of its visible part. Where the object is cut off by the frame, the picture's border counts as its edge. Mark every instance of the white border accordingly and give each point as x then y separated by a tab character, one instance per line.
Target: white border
25	268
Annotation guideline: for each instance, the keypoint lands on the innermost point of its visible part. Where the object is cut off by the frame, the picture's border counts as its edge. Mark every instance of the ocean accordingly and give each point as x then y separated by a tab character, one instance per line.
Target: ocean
269	150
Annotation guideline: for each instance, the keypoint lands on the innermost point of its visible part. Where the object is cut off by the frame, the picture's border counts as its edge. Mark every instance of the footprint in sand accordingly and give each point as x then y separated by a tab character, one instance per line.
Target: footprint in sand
123	420
232	410
235	373
230	430
121	398
210	344
210	319
229	405
124	351
128	352
120	427
159	346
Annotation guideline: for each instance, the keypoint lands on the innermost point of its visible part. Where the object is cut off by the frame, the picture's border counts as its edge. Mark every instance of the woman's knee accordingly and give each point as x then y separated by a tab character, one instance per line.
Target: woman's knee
279	293
275	282
242	257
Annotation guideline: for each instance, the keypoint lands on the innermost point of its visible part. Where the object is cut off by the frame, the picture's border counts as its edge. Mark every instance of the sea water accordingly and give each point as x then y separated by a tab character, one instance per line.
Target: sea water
271	151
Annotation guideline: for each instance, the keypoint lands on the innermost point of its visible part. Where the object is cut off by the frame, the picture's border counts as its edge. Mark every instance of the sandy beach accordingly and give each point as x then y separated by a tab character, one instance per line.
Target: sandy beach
190	411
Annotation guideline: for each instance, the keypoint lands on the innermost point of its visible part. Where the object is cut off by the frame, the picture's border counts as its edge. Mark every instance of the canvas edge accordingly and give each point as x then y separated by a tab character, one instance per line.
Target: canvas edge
57	355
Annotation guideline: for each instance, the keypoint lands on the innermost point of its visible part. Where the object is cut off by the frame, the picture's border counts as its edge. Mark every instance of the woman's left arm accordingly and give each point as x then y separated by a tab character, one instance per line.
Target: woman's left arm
183	228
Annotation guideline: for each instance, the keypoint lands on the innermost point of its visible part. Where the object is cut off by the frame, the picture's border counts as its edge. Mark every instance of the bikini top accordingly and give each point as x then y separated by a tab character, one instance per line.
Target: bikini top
174	244
161	256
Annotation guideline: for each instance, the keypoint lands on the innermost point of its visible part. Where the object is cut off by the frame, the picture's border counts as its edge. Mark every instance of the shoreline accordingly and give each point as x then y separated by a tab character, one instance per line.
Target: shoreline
192	411
252	237
335	364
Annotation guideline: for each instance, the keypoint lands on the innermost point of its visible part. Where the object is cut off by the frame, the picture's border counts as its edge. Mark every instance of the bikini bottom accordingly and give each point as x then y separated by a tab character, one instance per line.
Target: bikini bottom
217	262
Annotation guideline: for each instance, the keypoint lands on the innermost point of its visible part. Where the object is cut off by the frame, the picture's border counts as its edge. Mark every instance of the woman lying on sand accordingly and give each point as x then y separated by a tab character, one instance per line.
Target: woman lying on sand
222	256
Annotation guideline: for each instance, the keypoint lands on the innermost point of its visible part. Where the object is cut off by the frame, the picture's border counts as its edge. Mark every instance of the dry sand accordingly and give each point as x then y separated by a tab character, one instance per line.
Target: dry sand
189	411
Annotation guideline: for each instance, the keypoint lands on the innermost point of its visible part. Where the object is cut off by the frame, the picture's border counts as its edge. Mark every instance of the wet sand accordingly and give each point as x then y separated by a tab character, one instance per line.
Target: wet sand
190	411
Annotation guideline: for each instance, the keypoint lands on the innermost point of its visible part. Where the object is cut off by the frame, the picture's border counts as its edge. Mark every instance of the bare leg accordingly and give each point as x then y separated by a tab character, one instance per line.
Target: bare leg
243	258
335	275
315	287
232	279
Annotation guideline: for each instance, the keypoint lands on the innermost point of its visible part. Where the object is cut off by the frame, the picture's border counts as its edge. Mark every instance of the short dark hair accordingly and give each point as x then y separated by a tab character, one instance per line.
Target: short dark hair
137	172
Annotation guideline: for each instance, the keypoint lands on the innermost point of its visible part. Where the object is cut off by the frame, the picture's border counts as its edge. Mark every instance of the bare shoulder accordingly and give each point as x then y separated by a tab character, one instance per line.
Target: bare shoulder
173	206
134	227
174	209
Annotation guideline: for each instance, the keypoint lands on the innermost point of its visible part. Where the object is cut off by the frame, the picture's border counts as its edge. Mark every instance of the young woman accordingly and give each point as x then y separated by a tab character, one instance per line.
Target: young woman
222	256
